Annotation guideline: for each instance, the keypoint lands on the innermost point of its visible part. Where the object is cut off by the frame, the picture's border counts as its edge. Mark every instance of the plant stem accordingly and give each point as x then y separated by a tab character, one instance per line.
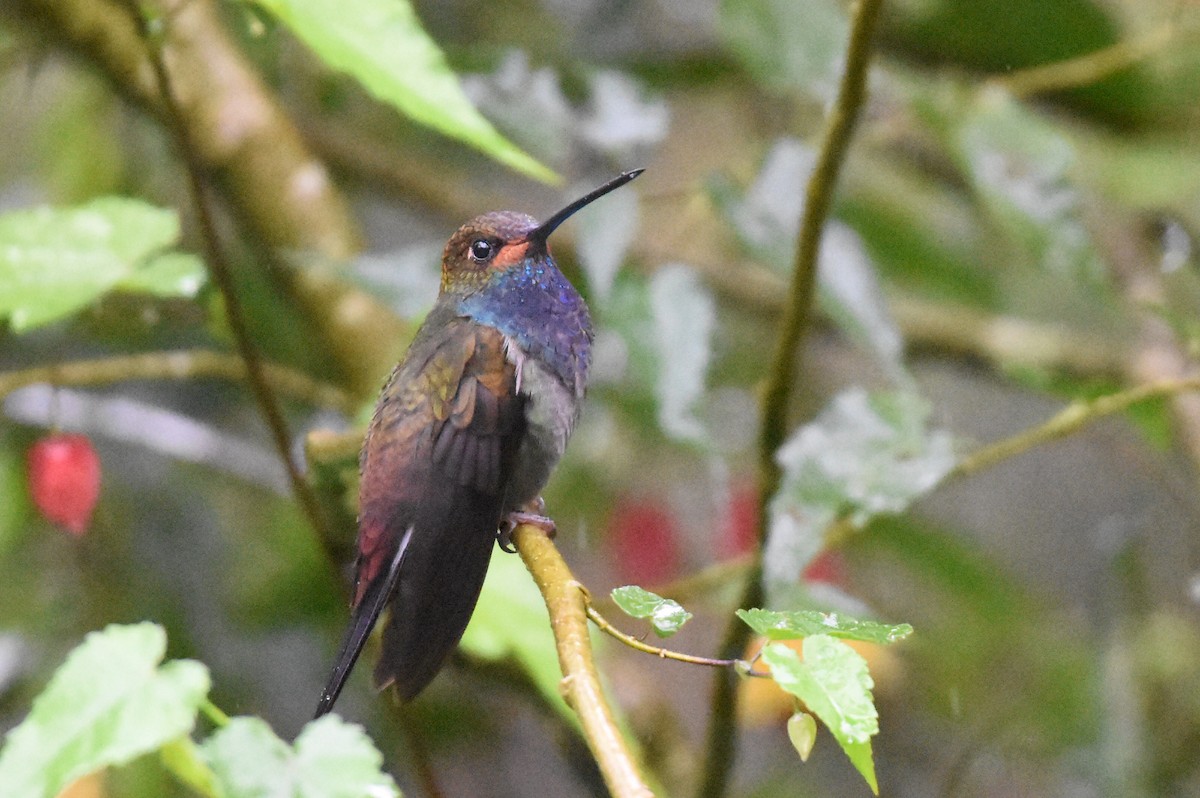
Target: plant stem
222	276
567	604
664	653
1067	421
178	364
721	747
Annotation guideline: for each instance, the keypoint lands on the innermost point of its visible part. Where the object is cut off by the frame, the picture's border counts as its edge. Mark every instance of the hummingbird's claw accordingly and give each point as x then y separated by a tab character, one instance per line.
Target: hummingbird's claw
518	517
504	537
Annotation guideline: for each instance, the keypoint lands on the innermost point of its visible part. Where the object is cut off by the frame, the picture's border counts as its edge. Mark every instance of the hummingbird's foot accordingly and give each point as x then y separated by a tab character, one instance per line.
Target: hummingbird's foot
518	517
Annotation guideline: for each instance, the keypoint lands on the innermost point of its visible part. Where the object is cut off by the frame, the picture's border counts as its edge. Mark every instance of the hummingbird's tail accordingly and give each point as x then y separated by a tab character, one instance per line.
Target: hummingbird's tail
365	615
444	571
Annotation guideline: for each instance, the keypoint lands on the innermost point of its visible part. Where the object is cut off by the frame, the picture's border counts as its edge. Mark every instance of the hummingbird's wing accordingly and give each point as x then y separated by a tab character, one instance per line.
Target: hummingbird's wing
435	469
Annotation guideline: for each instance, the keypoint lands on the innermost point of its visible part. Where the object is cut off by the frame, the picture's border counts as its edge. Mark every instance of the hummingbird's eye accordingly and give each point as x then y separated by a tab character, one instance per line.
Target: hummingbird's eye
481	250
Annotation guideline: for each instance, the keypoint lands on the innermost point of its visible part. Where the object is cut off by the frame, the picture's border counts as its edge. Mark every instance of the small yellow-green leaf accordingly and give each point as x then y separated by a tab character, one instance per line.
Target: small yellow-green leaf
382	45
833	682
184	759
666	615
802	731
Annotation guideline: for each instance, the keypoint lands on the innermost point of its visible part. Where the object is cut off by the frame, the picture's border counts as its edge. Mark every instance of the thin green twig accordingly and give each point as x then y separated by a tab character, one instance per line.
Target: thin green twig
222	276
1067	421
839	127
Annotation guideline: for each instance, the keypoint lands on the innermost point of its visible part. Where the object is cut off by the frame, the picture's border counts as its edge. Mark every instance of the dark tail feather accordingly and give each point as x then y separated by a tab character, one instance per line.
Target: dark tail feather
365	615
435	598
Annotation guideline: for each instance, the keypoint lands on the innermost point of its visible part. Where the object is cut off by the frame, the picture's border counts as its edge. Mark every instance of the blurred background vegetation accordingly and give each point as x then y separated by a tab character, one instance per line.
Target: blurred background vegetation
1015	227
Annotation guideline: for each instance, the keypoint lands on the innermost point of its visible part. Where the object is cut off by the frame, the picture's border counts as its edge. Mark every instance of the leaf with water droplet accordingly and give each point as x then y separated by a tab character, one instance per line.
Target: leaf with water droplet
56	261
803	623
666	615
833	682
864	455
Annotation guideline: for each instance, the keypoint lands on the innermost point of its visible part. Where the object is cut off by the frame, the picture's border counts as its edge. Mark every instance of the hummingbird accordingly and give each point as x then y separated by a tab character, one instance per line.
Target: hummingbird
465	434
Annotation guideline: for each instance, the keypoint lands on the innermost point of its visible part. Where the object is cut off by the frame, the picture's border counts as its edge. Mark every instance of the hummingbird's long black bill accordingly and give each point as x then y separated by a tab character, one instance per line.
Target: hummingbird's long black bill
547	227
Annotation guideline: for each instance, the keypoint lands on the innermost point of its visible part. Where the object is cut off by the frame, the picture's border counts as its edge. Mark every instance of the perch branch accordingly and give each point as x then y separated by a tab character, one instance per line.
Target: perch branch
222	276
580	686
180	364
722	732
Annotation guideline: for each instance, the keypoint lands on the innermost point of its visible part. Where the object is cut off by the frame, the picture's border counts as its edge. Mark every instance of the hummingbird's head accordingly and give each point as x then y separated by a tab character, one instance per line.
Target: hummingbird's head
498	241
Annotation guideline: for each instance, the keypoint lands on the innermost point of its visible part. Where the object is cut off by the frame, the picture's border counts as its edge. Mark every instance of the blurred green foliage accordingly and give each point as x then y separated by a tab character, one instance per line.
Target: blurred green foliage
1051	597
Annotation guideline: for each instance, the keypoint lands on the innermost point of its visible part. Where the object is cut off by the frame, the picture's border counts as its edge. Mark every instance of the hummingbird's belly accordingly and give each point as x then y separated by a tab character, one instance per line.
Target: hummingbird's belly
551	410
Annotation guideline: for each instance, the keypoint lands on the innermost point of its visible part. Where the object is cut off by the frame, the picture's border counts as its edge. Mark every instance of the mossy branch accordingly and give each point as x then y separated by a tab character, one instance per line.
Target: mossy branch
567	603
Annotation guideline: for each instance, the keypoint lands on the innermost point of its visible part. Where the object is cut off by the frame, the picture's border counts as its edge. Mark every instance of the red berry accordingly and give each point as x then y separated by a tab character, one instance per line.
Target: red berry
645	542
64	478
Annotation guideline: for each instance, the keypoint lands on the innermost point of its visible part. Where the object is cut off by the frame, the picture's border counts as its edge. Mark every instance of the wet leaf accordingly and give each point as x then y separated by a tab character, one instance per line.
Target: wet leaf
330	759
784	48
111	701
666	615
864	455
804	623
767	219
382	45
56	261
605	234
833	682
1020	165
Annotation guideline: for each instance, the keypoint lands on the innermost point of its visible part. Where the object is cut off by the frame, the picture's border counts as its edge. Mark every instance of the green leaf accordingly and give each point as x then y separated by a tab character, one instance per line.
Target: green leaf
110	702
833	682
784	48
805	623
863	456
767	218
331	759
510	622
382	45
55	261
1020	166
172	274
666	615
